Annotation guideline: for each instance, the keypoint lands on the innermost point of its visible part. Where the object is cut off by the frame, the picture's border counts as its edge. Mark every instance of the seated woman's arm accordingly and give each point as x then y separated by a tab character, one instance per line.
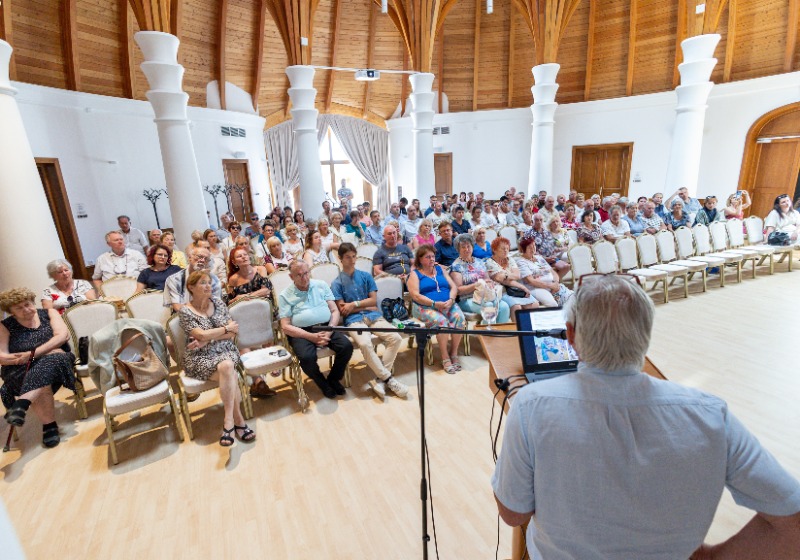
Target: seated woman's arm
6	357
458	280
204	336
533	282
139	288
453	290
60	335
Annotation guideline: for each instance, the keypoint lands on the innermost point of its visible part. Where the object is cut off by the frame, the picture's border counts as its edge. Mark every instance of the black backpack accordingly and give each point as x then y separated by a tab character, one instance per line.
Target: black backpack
392	309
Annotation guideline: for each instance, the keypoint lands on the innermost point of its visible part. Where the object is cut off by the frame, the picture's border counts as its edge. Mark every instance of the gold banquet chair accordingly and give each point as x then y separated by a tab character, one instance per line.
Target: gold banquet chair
254	316
83	320
189	386
148	305
117	289
755	235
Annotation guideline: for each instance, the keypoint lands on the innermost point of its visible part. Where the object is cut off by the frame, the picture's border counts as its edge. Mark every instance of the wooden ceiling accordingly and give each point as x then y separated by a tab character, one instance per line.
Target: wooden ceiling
607	48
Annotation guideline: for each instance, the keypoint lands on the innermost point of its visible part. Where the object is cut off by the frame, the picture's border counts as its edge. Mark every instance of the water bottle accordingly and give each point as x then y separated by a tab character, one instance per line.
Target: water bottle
398	324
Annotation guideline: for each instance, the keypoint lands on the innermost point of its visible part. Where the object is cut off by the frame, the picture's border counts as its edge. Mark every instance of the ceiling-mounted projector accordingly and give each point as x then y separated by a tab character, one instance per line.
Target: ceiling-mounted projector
368	75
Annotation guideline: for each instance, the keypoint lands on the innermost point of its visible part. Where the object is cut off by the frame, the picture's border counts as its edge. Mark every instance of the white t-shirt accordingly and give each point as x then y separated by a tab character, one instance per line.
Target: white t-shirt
618	231
788	223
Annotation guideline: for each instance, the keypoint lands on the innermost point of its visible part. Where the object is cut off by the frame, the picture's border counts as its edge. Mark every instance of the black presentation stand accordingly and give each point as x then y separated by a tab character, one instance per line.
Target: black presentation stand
423	336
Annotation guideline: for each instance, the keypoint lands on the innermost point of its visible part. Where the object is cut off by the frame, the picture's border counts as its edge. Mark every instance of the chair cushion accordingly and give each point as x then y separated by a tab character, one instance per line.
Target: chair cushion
82	370
729	257
694	266
261	361
715	261
120	402
670	269
194	386
648	273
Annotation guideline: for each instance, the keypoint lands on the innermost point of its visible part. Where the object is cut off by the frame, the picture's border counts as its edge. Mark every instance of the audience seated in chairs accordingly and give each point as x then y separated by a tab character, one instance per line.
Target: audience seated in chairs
356	296
537	274
356	227
336	227
219	255
211	352
178	256
234	231
304	304
678	217
504	270
783	218
635	220
293	243
276	257
424	235
315	252
119	261
466	271
65	291
330	239
392	257
589	231
153	278
546	245
36	361
176	294
482	249
434	294
560	236
615	227
446	252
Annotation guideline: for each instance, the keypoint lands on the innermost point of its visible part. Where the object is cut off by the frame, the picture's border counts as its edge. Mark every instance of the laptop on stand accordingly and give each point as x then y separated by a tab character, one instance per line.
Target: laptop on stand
544	357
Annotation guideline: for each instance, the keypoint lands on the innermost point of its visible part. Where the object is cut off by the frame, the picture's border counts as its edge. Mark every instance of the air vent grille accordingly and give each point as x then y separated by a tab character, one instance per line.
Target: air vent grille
233	132
437	130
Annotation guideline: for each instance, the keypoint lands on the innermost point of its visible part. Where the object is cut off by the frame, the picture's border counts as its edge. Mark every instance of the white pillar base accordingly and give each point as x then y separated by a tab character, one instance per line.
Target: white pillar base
544	108
422	113
22	199
169	101
683	169
304	122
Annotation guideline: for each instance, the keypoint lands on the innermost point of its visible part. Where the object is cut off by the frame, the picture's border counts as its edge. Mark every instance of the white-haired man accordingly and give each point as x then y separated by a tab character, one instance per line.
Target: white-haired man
629	466
176	294
119	261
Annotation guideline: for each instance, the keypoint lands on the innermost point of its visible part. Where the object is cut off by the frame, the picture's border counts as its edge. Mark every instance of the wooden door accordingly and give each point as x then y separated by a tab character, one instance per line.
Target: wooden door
777	166
236	173
443	173
53	184
602	169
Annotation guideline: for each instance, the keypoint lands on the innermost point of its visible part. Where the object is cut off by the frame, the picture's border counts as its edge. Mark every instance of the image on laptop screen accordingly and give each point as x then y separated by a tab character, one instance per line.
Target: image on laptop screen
547	356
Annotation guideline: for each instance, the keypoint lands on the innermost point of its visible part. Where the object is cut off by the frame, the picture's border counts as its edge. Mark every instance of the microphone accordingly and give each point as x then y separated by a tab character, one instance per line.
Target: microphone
553	333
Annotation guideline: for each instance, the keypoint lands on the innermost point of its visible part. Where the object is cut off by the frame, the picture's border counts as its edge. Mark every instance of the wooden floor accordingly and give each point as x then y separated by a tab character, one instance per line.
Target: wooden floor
342	481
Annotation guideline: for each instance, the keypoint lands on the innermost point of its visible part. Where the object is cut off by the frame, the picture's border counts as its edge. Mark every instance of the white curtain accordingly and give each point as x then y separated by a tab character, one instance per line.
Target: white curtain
367	146
281	151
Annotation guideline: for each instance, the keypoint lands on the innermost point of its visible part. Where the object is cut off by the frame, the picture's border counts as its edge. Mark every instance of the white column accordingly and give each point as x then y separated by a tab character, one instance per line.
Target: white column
687	138
304	122
422	120
165	76
22	199
544	110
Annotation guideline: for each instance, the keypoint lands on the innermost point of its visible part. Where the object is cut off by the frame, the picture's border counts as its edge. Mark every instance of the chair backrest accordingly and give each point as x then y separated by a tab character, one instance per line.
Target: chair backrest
510	233
719	237
280	281
735	231
702	239
119	287
148	305
605	257
573	237
666	245
364	264
580	258
175	332
648	254
626	251
367	250
389	287
491	235
327	272
755	230
88	317
254	316
685	242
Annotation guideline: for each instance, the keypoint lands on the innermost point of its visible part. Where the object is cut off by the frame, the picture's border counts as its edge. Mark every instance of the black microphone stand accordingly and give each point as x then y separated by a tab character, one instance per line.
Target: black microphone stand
423	336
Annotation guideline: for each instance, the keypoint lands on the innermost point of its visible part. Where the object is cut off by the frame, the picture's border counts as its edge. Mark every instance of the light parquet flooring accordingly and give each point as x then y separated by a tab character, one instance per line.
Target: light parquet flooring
342	481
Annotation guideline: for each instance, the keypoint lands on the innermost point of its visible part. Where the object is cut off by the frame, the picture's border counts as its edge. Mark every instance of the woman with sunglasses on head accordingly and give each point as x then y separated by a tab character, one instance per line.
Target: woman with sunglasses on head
66	291
154	277
783	218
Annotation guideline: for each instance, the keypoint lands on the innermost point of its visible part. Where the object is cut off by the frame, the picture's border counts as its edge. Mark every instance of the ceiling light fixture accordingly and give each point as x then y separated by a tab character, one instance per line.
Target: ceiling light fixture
489	6
364	74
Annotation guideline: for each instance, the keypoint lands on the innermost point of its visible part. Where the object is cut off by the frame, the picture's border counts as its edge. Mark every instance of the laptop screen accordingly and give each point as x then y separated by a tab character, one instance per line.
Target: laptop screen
544	357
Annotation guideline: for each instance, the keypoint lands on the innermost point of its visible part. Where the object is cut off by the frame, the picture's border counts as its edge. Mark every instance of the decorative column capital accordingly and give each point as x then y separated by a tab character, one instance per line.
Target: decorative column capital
5	58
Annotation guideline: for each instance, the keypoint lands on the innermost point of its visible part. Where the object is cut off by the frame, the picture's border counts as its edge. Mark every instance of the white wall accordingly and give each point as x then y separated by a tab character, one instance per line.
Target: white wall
108	151
491	149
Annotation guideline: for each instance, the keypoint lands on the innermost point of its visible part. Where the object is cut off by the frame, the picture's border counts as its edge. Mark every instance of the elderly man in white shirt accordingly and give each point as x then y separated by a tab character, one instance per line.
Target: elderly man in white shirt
410	226
176	295
135	239
615	227
119	261
549	209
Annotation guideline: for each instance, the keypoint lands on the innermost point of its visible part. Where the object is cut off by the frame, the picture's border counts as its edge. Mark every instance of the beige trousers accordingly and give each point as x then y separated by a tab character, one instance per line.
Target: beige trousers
391	340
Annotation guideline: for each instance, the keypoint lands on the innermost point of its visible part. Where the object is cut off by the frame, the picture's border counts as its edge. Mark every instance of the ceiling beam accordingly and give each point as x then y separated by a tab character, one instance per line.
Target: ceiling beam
7	35
633	12
221	37
334	44
546	21
259	58
511	40
680	35
126	49
730	41
153	15
476	54
370	56
295	21
176	24
440	73
712	15
69	25
587	84
791	35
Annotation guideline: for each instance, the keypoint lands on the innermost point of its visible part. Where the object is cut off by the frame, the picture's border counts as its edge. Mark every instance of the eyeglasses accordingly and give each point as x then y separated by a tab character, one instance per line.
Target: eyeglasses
597	276
236	227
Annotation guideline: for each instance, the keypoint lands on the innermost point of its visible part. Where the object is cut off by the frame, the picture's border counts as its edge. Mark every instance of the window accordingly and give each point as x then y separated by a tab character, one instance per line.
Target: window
337	166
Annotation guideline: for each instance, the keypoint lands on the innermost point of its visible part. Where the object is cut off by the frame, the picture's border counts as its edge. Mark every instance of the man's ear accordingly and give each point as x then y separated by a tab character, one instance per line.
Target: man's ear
571	334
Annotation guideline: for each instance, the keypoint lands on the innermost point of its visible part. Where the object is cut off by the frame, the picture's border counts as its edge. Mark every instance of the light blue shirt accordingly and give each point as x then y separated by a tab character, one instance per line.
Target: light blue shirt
306	308
355	288
374	235
629	466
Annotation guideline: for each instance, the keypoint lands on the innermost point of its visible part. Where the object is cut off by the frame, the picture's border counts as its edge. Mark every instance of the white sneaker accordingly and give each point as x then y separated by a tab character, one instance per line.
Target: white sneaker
399	389
378	386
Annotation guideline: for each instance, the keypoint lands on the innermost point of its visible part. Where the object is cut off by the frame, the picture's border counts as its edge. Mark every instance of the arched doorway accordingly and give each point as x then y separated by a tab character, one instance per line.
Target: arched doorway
771	162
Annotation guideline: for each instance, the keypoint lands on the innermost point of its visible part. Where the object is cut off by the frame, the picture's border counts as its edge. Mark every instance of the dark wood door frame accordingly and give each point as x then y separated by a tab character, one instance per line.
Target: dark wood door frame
443	161
61	210
248	194
622	188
